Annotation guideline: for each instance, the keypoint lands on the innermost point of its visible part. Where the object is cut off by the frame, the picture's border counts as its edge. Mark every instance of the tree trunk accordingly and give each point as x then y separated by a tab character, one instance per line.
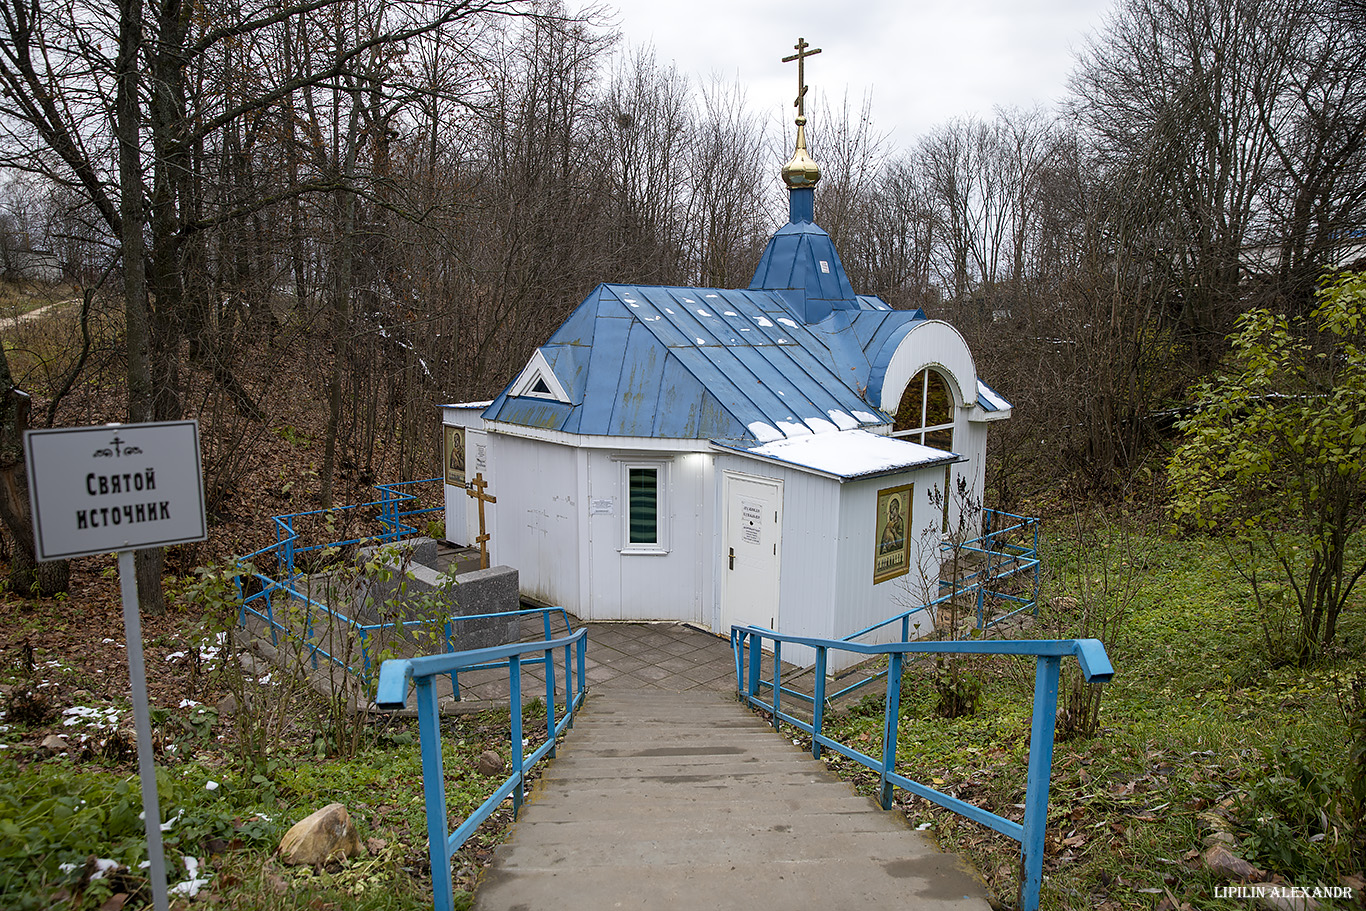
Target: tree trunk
133	216
26	575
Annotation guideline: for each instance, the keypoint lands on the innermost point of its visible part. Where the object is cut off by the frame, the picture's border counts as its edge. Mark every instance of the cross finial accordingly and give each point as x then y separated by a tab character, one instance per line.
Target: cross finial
802	53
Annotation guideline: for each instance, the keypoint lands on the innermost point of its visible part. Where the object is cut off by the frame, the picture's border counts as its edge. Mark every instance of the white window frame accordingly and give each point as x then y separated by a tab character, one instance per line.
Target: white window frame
918	434
663	516
538	370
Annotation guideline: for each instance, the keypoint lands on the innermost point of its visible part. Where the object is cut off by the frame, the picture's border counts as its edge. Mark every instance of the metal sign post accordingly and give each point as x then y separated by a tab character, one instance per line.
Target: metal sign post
120	487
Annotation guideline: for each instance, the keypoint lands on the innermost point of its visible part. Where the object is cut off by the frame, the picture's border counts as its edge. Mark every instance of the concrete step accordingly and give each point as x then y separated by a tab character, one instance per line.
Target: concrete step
680	801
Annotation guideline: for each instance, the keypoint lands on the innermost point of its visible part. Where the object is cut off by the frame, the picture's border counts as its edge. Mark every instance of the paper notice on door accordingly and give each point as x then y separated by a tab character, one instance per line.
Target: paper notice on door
751	521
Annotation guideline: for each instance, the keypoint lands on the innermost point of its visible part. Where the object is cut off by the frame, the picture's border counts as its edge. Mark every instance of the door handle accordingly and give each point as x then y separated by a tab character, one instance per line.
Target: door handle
732	558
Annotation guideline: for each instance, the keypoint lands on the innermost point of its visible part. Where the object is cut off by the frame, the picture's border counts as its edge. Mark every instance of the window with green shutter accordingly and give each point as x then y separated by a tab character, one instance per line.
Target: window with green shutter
643	519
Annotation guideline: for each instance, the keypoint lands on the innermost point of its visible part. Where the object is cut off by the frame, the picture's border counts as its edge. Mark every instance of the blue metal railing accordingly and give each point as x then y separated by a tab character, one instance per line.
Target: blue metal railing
392	512
747	642
1002	559
394	677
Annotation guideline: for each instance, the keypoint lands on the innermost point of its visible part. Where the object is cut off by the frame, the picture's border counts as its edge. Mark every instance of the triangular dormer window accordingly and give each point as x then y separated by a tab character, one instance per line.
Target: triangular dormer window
538	381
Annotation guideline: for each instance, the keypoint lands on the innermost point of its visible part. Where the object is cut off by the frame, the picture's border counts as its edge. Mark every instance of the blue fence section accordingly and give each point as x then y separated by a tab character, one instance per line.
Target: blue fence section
394	678
272	572
748	644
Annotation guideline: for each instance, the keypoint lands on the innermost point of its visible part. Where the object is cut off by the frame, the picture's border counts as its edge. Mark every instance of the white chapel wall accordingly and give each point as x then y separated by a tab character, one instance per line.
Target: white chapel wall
671	585
535	526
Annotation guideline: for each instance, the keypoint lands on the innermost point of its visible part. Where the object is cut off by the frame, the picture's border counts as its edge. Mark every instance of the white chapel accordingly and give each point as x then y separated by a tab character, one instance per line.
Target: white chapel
776	455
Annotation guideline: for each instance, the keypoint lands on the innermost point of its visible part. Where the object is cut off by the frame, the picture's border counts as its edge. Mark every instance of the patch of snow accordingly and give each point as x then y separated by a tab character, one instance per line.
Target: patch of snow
634	304
850	453
731	313
842	420
990	395
763	321
701	312
787	322
190	887
668	311
211	785
791	428
866	418
821	425
93	717
701	341
764	433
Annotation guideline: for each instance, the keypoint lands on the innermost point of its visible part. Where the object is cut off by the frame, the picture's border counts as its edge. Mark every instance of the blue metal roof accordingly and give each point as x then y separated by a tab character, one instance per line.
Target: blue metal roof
697	363
792	354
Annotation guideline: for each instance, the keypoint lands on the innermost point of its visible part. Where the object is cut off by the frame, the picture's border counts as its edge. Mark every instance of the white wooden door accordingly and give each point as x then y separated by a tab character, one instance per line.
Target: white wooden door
751	551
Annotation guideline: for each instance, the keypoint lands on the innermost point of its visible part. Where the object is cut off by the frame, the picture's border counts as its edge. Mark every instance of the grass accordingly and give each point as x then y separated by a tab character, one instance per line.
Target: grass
56	814
1200	735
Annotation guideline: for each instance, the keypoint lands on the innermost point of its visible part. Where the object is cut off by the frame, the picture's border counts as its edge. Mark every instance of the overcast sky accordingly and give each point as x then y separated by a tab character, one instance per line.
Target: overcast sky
923	61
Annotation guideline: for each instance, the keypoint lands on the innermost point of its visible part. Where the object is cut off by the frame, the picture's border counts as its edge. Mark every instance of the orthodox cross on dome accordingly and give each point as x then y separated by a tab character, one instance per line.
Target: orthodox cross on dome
801	171
802	53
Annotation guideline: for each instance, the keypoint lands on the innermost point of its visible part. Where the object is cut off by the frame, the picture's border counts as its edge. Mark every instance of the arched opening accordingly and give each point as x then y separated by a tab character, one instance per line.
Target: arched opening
925	414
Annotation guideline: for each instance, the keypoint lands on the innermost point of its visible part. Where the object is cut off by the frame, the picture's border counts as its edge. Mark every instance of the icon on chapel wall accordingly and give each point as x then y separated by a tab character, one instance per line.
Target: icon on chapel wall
453	456
892	556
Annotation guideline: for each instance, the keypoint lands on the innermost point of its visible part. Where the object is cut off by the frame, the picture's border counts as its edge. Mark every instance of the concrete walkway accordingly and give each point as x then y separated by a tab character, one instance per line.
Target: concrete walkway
664	799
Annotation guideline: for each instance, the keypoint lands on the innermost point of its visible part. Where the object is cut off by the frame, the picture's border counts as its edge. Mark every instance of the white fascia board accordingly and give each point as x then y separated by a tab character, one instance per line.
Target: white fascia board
981	416
595	441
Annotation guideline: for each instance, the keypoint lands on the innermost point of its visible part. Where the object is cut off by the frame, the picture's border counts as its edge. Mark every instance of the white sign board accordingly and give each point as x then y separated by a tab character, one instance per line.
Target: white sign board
117	487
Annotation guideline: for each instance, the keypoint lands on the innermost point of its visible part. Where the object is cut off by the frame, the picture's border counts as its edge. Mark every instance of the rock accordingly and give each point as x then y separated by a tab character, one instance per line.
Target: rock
249	665
325	835
376	845
227	705
490	762
1224	864
1219	838
55	742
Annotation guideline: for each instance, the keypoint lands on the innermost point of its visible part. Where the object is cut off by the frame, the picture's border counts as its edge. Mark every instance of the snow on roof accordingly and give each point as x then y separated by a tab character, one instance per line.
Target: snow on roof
846	454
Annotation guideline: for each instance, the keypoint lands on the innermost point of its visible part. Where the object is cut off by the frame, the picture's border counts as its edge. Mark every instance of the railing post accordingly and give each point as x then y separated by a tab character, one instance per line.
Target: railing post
818	703
1036	568
583	677
1036	786
434	790
450	647
777	679
550	697
890	724
737	653
568	686
756	651
515	697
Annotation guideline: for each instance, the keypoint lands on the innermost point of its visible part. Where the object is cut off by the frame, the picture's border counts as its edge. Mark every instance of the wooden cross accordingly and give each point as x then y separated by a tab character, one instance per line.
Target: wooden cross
476	490
801	55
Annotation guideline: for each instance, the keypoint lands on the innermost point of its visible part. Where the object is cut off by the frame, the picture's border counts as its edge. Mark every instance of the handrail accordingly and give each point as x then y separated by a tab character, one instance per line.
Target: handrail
747	642
394	677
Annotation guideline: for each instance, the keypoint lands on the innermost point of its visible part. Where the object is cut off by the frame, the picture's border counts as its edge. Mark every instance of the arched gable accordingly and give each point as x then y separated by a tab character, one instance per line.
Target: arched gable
929	343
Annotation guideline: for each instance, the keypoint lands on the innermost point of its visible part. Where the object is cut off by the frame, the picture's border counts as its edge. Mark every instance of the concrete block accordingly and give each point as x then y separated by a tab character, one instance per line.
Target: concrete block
414	593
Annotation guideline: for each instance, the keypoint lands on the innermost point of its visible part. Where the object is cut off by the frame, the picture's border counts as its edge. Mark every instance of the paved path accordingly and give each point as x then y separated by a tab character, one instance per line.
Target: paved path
685	800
